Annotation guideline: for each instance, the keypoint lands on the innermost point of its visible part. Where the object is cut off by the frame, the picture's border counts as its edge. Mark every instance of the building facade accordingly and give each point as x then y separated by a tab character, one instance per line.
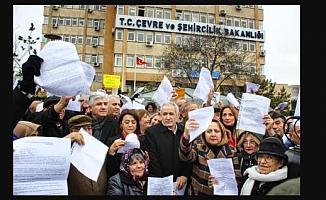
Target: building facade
110	37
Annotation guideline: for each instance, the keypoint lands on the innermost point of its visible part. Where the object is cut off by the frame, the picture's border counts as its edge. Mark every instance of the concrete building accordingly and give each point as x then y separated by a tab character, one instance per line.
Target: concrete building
110	37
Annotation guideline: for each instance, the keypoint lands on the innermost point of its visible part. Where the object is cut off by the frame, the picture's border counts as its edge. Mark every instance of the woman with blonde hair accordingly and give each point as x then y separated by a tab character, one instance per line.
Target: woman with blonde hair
213	143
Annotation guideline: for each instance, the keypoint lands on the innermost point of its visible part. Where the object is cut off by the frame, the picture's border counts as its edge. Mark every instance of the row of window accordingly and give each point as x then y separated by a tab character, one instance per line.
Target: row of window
68	21
157	62
78	39
83	7
165	13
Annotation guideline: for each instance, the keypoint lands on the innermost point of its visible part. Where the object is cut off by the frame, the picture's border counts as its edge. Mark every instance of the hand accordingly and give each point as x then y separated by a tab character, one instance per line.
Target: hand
209	98
117	144
220	104
212	181
191	124
174	96
30	68
180	182
76	136
269	122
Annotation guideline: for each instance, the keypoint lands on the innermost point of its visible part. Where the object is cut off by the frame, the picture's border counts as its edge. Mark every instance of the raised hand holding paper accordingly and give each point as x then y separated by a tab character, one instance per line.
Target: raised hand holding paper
205	84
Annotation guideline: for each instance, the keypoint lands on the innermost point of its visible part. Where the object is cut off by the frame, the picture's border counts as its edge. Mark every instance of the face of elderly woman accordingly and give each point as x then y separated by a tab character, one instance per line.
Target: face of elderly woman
249	145
268	163
137	167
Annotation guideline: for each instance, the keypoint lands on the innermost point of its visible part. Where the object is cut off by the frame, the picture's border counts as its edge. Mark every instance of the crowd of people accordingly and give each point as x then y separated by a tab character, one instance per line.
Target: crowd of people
263	164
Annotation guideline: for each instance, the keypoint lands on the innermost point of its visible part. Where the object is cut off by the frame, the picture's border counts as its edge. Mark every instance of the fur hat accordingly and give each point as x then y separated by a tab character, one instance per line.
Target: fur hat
273	146
79	120
50	101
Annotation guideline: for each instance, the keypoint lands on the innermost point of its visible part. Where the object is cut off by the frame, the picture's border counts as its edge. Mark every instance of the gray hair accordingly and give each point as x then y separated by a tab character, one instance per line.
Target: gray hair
97	95
113	96
170	103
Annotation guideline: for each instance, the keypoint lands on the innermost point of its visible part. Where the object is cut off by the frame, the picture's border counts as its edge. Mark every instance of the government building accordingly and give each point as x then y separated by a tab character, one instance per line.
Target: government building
111	38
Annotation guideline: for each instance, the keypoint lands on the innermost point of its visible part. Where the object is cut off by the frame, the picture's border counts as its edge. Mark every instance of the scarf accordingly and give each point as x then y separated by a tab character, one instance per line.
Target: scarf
254	175
97	127
124	166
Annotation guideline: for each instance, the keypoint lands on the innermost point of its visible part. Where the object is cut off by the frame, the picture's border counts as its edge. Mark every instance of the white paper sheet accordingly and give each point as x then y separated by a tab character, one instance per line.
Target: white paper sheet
163	93
204	117
41	166
131	142
223	171
252	87
74	105
217	96
232	100
62	72
160	186
205	84
89	158
252	109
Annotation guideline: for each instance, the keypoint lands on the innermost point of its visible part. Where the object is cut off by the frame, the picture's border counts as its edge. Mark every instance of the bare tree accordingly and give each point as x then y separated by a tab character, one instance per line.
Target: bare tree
184	59
23	46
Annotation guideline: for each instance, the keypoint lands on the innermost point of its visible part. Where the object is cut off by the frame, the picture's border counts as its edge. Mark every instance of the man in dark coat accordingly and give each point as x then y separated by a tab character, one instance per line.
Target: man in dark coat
162	141
104	126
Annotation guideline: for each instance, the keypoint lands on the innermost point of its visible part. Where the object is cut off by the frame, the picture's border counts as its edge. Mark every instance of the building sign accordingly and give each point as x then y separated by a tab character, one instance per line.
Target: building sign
179	73
186	27
111	81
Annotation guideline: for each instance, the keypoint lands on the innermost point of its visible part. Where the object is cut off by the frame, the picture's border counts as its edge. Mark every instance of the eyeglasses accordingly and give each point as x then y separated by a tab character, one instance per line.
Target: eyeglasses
86	128
268	158
247	143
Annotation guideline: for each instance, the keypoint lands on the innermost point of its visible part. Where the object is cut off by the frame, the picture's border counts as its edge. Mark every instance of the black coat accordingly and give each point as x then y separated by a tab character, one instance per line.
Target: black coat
48	119
120	185
21	103
163	149
109	129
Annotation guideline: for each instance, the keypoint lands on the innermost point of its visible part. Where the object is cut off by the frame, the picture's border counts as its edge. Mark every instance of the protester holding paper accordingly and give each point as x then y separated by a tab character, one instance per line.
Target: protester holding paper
78	183
214	144
162	141
52	117
128	122
132	176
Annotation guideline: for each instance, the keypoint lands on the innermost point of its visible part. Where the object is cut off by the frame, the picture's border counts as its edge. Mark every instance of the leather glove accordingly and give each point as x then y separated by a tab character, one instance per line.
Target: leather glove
30	68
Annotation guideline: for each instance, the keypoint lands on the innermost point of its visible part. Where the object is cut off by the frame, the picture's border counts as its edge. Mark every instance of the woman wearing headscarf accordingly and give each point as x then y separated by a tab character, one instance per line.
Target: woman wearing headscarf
271	168
132	177
213	144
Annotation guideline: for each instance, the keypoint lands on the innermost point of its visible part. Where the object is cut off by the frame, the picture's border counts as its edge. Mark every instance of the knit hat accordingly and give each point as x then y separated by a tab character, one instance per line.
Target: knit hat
50	101
79	120
273	146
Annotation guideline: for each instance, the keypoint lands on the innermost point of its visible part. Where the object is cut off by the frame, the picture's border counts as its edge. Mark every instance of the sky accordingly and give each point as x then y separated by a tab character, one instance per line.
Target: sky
282	38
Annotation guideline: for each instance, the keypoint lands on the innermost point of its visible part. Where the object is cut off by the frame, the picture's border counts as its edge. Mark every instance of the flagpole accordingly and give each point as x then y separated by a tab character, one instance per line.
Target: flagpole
135	74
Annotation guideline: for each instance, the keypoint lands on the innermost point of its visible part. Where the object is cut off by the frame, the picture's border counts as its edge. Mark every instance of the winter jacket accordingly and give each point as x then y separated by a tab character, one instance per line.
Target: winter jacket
120	185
